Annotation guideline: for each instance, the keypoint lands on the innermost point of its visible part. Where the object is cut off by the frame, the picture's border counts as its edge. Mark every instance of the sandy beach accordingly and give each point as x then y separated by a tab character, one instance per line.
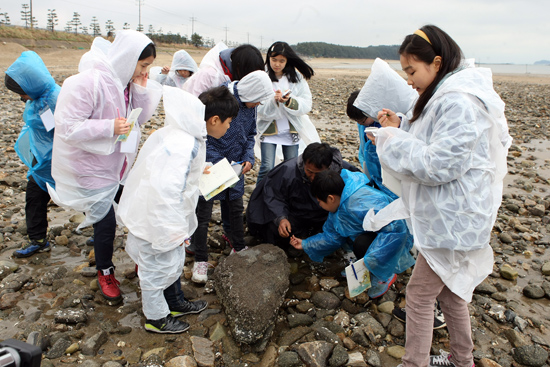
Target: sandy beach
510	310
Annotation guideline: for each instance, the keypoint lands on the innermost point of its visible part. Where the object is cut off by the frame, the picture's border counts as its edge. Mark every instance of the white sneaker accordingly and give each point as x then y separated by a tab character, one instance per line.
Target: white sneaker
200	272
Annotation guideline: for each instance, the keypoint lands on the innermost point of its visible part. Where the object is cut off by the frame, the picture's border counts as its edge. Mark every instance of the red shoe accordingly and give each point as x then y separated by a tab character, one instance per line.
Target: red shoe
108	285
137	271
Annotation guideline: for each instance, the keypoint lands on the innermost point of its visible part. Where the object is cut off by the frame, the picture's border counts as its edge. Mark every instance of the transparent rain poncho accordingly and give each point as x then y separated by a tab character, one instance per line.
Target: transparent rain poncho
451	163
160	196
87	164
34	141
296	114
210	73
181	61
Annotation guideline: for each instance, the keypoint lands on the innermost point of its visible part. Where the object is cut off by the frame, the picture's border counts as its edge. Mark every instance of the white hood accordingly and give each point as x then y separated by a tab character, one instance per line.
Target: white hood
184	111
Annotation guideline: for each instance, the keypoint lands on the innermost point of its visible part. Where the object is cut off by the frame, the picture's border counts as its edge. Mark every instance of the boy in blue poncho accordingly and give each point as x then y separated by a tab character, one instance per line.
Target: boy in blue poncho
29	77
348	198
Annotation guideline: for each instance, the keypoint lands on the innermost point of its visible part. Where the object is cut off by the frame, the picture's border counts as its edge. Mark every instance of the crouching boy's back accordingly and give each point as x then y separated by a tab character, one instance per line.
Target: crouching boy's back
159	200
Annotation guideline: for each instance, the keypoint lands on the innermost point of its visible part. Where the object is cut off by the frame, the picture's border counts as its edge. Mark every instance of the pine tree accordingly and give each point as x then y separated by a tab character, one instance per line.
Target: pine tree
26	15
109	28
126	26
75	22
95	27
52	20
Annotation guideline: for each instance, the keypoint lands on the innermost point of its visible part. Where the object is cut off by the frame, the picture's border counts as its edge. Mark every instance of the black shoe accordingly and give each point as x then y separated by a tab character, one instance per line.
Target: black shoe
439	320
188	308
166	325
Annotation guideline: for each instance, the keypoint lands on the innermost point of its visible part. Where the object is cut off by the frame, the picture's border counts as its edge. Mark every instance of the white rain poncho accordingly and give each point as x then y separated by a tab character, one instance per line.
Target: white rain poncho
296	113
451	163
384	88
254	87
181	61
160	196
210	73
87	164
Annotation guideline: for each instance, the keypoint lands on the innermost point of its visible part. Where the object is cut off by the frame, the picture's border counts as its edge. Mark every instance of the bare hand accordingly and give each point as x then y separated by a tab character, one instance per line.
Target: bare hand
165	70
247	166
285	228
141	80
121	126
296	243
371	137
388	118
278	95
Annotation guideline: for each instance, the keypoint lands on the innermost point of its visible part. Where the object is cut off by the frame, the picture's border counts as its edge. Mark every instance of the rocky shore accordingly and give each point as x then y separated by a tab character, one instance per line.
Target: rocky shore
52	299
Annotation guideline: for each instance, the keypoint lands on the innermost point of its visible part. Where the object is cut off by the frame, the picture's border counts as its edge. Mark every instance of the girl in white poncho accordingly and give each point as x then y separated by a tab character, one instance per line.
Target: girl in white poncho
283	120
182	68
451	160
88	163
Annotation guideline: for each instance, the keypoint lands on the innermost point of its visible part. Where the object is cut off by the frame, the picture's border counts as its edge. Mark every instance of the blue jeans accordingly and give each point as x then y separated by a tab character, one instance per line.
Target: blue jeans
268	157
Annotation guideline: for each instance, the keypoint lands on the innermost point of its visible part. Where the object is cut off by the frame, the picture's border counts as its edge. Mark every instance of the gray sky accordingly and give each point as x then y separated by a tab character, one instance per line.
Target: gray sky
503	31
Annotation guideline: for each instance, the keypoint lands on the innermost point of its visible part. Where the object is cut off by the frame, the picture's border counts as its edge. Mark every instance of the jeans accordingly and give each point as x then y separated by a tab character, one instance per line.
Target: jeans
104	236
36	210
268	157
424	287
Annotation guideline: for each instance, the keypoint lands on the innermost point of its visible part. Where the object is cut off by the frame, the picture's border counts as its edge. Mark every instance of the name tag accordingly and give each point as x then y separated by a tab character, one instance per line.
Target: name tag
130	144
47	119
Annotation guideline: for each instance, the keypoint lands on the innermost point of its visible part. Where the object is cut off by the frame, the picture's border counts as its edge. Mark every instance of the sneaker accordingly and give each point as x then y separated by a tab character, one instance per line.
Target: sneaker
190	249
108	285
90	241
188	308
439	320
32	247
378	287
233	251
442	360
166	325
200	272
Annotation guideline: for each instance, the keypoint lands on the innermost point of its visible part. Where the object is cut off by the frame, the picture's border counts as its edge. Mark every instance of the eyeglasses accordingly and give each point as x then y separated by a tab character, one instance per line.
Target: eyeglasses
362	120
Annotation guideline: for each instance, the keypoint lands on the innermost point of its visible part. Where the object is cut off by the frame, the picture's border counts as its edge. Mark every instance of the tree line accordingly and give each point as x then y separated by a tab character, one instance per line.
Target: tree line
322	49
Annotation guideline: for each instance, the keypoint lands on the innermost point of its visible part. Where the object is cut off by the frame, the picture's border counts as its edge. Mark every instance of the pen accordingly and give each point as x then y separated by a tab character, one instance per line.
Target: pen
235	163
118	112
354	272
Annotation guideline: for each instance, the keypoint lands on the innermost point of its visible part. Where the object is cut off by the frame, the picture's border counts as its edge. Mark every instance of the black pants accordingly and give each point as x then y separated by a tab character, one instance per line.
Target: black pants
362	243
36	210
104	236
204	214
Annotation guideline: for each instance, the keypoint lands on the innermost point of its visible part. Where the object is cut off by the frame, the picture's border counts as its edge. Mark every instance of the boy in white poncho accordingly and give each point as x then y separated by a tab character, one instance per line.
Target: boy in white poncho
161	193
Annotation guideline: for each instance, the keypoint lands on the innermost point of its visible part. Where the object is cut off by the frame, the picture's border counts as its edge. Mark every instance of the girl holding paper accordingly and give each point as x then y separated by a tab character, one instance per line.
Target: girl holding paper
88	164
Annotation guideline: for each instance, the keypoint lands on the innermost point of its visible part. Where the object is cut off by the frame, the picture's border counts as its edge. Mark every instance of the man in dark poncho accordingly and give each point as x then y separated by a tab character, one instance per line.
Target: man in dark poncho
282	204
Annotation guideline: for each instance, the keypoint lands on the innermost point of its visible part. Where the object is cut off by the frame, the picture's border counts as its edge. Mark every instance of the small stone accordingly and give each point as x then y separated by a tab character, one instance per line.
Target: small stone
546	268
356	360
396	351
62	240
533	291
328	284
507	272
386	307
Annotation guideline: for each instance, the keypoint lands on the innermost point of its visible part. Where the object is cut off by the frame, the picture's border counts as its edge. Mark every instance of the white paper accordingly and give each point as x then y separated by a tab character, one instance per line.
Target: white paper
358	278
221	177
392	183
132	119
130	144
48	119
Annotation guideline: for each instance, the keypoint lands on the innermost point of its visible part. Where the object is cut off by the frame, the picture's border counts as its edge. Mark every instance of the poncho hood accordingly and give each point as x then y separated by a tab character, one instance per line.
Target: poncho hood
254	87
31	74
184	111
120	57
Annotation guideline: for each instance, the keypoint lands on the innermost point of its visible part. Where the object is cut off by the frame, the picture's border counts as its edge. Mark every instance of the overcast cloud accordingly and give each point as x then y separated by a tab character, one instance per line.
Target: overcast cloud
504	31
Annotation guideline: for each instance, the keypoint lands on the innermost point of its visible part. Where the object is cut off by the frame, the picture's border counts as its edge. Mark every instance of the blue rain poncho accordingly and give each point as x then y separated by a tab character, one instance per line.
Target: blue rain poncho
34	141
388	254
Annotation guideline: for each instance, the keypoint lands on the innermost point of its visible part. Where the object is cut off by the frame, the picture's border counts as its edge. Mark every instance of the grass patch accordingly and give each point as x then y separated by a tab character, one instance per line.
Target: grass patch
42	34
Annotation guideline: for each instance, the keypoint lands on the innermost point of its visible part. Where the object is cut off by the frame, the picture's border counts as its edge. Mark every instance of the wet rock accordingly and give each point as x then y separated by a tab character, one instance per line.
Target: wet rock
533	291
530	355
299	319
356	360
325	300
291	336
58	349
289	359
339	357
546	268
91	346
322	333
14	282
252	307
7	268
315	354
9	300
373	359
71	316
203	351
181	361
370	325
507	272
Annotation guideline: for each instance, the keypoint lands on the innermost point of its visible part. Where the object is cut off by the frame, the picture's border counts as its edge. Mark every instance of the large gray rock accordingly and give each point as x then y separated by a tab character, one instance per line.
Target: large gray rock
251	285
530	355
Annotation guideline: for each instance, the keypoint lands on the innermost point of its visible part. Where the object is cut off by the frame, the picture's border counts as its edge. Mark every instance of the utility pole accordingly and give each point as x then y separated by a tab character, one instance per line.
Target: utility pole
31	15
193	19
248	37
226	29
140	26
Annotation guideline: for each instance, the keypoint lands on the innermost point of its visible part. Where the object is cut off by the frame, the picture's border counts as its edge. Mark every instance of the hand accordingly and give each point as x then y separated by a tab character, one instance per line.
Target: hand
388	118
285	228
371	137
247	166
296	243
206	170
141	79
165	70
121	126
278	95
